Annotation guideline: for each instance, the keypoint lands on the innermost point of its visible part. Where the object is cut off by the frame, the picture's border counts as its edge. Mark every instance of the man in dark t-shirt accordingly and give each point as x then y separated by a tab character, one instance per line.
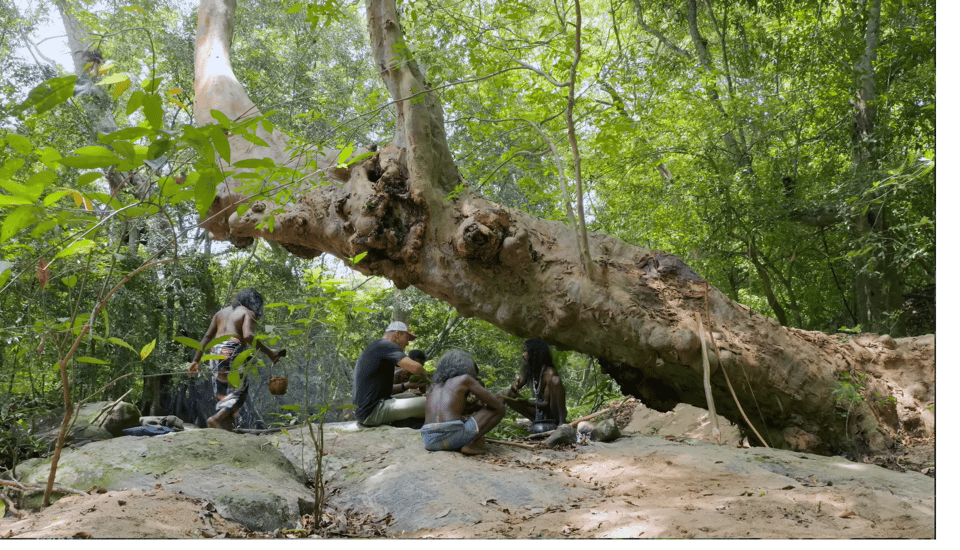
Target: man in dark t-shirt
373	379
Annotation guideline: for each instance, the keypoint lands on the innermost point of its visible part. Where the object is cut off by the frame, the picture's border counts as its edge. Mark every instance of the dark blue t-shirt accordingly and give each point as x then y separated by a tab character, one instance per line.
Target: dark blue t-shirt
373	375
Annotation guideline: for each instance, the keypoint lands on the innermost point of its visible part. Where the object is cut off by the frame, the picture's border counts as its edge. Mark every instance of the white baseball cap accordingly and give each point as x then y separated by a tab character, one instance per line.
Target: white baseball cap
400	326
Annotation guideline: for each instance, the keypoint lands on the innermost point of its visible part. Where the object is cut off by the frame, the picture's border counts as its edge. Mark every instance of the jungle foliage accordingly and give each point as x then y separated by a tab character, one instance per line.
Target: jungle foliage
721	131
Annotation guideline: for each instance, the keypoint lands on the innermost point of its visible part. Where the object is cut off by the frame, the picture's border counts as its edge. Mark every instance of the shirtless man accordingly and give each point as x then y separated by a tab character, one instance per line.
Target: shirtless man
548	391
446	426
235	321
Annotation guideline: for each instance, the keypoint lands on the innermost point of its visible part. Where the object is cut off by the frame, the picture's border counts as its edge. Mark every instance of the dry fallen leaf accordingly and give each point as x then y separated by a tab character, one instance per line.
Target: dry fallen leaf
43	273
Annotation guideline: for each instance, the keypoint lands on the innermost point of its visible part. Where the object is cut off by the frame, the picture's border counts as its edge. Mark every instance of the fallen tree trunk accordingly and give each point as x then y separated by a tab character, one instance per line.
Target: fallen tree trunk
636	314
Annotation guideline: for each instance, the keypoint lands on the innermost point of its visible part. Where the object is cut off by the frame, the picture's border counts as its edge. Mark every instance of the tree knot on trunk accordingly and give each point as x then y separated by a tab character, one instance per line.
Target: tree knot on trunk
481	235
662	264
392	222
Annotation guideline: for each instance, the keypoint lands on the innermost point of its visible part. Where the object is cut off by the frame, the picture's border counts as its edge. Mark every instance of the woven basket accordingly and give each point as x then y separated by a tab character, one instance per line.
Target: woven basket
278	385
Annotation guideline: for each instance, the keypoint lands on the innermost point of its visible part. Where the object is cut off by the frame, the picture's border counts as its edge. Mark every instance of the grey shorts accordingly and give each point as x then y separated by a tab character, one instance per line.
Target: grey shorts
449	436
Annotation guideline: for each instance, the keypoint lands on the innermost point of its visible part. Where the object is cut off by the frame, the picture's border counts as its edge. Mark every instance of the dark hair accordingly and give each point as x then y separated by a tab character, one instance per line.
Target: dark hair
250	299
538	356
417	355
454	363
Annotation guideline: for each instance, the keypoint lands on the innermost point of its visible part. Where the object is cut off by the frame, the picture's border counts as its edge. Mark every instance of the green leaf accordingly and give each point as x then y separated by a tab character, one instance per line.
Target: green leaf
88	178
153	111
76	247
27	194
294	407
19	218
358	258
254	139
124	148
151	85
130	134
49	157
205	192
113	79
49	94
93	360
42	228
20	144
266	163
189	342
344	155
158	148
234	378
119	342
11	167
295	8
221	118
220	143
7	200
70	281
360	157
239	358
135	101
55	196
199	141
147	349
93	156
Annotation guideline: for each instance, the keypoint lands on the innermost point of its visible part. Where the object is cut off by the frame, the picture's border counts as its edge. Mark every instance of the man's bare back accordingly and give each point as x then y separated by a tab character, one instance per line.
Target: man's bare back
235	322
447	399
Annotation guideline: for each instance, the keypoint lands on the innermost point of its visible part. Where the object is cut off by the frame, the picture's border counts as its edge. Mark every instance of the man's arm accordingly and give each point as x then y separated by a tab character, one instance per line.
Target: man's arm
247	335
489	399
274	356
211	333
514	391
412	366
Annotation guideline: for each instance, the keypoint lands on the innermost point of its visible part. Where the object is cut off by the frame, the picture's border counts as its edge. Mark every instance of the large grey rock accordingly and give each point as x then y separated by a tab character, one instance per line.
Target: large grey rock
385	470
123	415
246	478
86	425
619	489
563	435
606	431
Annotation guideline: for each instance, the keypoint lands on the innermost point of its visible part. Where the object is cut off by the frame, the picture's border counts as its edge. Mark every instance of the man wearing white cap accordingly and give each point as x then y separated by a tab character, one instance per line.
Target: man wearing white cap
373	379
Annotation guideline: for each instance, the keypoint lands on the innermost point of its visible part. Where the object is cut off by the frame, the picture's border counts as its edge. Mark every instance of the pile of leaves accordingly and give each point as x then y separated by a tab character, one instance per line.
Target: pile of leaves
345	524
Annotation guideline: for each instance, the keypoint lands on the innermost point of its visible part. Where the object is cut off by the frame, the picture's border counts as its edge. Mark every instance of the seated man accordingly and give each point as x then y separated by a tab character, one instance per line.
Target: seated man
373	379
401	376
550	397
447	428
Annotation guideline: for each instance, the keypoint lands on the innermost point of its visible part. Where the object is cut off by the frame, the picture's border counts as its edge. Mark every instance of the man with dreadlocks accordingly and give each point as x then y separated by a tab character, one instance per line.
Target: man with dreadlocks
550	404
447	427
236	322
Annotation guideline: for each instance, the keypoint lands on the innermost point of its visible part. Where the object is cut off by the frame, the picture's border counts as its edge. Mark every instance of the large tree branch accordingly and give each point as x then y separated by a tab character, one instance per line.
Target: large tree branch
521	273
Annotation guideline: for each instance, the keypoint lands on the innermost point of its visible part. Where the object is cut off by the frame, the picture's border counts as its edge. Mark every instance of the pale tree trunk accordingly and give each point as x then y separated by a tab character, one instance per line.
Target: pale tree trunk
878	283
522	274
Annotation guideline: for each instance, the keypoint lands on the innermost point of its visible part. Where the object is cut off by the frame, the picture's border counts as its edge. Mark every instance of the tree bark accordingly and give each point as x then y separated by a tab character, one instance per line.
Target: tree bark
878	284
522	274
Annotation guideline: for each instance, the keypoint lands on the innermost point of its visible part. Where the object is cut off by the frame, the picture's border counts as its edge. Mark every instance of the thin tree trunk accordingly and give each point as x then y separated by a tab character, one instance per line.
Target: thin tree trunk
878	284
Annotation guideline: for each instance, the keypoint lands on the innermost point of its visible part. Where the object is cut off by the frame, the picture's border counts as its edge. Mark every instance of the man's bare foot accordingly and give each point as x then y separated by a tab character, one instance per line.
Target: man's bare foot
474	448
225	423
